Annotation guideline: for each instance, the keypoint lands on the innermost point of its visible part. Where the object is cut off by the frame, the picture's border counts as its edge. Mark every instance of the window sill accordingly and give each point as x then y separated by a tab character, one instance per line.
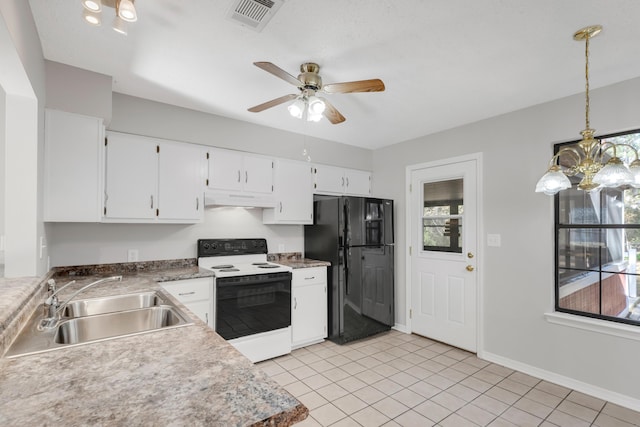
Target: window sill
595	325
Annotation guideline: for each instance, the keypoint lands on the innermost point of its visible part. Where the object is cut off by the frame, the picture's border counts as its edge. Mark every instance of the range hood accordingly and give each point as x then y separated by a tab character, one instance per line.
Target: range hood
242	200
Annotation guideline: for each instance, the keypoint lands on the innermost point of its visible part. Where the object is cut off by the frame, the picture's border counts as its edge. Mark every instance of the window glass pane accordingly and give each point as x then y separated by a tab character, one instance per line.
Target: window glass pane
442	234
582	293
578	250
579	207
442	216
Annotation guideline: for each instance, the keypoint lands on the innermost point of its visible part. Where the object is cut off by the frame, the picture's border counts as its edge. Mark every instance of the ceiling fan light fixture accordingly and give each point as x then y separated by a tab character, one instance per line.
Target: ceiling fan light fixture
126	10
91	18
92	5
297	107
316	105
312	117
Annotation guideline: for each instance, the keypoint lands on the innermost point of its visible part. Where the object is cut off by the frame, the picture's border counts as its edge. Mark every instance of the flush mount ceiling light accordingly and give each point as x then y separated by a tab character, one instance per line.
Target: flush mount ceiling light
125	12
595	161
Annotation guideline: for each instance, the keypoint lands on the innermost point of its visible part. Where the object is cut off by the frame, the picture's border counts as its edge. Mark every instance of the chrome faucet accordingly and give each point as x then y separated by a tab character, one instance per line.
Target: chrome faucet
54	308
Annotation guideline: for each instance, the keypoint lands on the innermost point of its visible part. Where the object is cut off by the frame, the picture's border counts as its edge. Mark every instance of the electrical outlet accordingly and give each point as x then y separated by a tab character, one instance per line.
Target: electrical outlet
132	255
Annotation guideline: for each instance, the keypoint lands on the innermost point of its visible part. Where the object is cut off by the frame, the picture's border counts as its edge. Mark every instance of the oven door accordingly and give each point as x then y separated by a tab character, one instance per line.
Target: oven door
248	305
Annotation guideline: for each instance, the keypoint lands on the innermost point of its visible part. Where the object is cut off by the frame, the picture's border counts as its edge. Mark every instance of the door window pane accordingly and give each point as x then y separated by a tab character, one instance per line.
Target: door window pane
442	216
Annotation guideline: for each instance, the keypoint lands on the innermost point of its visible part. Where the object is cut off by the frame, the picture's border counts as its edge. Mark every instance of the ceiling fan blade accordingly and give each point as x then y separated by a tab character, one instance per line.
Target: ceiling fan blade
373	85
278	72
332	114
272	103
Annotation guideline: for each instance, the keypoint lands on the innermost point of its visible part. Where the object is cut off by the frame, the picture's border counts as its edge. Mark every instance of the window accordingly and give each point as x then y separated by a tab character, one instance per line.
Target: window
442	216
597	247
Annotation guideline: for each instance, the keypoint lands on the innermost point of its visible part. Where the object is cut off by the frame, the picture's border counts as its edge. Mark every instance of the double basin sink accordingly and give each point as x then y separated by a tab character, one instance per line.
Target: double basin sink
97	319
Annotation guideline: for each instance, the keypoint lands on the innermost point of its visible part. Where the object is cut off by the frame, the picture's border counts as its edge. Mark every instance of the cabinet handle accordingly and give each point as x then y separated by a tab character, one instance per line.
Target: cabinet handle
347	181
197	203
187	293
280	207
310	278
343	181
206	316
246	177
295	303
152	201
238	176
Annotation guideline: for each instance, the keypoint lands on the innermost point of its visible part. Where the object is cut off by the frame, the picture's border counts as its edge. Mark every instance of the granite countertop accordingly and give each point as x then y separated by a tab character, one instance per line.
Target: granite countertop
295	260
183	376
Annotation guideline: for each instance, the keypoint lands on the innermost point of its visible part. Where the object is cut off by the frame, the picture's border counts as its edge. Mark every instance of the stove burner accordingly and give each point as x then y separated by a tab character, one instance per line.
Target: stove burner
222	266
229	269
268	266
260	263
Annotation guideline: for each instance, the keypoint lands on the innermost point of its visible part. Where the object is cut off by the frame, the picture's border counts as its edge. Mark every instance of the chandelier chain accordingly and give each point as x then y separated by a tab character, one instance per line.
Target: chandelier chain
586	76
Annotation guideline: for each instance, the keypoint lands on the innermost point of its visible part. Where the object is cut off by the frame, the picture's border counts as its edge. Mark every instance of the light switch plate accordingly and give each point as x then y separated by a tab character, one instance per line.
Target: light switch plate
493	240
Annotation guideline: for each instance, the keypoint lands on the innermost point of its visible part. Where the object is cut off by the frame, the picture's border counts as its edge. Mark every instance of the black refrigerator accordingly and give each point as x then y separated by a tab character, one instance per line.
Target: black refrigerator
355	234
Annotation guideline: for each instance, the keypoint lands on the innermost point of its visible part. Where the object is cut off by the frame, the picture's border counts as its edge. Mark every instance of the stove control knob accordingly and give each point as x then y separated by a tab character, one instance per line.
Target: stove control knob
206	246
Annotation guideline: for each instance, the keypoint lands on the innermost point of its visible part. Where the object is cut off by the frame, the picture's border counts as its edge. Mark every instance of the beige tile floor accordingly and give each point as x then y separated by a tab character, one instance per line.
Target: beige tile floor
396	379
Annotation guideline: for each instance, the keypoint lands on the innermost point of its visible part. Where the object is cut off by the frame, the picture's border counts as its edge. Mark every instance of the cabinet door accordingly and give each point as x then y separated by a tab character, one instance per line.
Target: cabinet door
329	180
196	295
258	174
225	170
179	182
202	309
294	194
131	170
357	183
308	306
72	167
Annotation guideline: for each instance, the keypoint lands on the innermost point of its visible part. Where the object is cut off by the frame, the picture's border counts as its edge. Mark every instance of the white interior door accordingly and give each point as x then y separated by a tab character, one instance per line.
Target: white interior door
443	253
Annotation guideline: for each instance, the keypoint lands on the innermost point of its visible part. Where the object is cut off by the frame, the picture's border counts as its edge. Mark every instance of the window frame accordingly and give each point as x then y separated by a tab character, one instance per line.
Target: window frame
558	227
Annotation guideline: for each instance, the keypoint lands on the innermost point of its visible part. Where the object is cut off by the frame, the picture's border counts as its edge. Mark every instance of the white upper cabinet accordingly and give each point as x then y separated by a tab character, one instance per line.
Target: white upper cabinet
293	194
180	189
151	180
336	180
72	167
239	179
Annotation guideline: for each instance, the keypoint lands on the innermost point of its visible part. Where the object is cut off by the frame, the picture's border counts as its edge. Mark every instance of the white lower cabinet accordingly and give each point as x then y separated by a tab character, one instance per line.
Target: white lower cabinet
308	306
196	295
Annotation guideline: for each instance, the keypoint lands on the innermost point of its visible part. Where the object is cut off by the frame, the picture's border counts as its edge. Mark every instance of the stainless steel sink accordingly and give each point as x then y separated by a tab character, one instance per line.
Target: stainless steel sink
93	328
138	313
90	307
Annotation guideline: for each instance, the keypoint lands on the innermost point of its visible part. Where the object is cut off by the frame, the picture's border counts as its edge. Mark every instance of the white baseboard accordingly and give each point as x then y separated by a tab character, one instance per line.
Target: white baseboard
590	389
401	328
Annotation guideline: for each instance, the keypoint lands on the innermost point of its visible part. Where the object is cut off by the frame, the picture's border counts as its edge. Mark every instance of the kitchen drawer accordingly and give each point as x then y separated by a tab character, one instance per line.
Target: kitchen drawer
190	289
309	276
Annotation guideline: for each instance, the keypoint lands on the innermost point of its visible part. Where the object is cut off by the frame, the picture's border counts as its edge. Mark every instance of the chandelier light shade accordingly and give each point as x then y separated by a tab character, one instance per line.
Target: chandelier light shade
125	12
596	162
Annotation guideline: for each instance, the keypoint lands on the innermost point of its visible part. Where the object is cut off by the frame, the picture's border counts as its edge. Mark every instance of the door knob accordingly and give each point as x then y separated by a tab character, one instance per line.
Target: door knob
469	267
469	255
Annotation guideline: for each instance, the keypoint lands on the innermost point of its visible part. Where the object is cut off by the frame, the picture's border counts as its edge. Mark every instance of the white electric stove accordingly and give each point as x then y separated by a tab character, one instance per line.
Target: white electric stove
252	296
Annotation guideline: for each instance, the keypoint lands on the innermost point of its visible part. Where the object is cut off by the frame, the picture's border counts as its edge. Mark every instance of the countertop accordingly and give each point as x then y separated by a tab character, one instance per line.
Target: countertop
182	376
295	260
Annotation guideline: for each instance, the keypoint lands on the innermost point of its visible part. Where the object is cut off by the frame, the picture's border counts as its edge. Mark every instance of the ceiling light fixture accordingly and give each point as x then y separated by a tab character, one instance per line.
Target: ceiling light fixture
587	157
92	5
125	12
307	106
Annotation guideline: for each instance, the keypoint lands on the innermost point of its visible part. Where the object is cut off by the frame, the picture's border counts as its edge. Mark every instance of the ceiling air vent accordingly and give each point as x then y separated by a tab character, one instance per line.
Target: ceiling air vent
253	13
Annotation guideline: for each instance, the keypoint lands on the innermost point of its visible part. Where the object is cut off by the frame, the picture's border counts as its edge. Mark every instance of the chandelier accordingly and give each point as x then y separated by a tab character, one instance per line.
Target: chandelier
587	157
307	106
125	12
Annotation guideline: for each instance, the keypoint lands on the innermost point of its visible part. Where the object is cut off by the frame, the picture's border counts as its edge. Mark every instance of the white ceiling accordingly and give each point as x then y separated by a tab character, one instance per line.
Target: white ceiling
444	63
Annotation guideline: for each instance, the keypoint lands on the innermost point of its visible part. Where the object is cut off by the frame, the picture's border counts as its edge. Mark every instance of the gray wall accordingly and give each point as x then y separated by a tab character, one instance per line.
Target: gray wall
77	244
518	276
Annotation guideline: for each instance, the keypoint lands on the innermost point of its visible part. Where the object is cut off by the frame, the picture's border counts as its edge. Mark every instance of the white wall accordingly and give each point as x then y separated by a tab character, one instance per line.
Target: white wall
518	276
80	244
22	79
78	91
